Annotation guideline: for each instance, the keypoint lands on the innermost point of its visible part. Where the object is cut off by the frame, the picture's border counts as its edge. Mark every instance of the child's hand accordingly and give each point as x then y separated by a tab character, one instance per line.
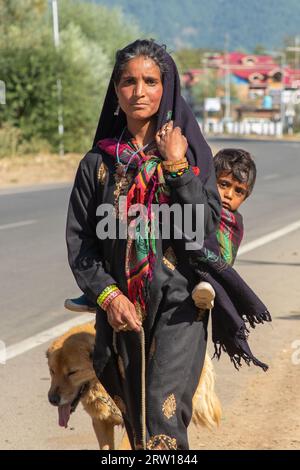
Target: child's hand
171	144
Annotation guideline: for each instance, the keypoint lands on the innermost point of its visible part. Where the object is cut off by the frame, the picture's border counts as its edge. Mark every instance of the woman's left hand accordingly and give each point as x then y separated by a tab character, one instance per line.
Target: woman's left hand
172	145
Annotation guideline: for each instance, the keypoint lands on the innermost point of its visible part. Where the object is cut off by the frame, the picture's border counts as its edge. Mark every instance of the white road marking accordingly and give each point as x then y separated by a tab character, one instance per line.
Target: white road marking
45	336
33	189
273	176
48	335
17	224
269	238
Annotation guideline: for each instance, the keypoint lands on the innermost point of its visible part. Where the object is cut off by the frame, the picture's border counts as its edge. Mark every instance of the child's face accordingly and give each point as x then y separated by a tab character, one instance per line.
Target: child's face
231	191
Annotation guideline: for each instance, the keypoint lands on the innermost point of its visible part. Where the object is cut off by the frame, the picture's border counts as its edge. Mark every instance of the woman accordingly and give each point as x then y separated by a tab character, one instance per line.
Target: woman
150	343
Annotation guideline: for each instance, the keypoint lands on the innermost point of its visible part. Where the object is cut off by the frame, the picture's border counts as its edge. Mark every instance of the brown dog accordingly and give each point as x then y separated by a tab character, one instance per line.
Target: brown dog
73	379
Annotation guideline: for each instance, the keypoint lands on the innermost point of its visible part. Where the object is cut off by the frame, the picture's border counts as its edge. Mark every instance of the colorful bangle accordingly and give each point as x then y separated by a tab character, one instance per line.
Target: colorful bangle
108	299
167	163
106	292
176	166
175	174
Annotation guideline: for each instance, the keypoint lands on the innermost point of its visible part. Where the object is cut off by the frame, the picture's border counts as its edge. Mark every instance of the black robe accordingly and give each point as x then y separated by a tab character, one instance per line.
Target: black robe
152	376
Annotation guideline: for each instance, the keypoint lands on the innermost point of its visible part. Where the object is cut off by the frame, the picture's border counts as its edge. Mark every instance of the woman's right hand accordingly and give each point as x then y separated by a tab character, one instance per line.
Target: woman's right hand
171	143
121	315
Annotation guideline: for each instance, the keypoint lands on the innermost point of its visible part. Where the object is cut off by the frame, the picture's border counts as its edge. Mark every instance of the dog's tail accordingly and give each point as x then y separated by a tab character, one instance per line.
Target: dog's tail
207	409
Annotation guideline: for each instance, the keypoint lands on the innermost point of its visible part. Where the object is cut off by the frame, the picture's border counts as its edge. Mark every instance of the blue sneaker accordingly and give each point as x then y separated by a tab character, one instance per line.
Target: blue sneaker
80	304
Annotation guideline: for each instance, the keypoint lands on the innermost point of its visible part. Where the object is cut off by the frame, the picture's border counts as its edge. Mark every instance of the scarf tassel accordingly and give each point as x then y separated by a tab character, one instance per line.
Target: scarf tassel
139	289
258	318
241	352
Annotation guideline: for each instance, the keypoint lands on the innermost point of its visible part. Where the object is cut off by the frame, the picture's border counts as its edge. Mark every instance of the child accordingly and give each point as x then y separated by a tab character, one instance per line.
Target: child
236	173
236	306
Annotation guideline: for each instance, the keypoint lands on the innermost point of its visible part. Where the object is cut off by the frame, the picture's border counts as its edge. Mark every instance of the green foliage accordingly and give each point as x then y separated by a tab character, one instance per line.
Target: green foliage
10	140
30	67
211	86
84	70
202	23
259	49
206	87
23	23
30	88
188	59
106	27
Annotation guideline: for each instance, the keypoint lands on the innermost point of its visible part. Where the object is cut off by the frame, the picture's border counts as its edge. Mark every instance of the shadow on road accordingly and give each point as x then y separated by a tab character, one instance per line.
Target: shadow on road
289	317
261	262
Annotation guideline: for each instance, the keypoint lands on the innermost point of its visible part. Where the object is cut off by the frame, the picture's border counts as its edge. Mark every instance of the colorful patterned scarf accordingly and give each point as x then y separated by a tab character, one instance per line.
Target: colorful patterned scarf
230	234
148	187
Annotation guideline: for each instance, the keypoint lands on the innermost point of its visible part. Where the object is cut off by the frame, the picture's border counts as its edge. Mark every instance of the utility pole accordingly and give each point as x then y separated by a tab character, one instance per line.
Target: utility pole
227	79
2	92
295	49
58	81
282	88
282	107
291	108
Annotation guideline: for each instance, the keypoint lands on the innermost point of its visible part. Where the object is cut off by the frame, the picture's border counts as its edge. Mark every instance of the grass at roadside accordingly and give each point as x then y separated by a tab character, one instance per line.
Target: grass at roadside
38	169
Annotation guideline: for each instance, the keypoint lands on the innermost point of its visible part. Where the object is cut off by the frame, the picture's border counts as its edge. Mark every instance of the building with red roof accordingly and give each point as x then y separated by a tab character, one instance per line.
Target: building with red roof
256	72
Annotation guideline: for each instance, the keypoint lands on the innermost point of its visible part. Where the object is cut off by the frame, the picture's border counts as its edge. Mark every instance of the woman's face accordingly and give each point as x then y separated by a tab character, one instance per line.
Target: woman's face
140	89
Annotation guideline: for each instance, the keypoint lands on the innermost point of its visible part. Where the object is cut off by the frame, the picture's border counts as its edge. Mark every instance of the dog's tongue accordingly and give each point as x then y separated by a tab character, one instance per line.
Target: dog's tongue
64	412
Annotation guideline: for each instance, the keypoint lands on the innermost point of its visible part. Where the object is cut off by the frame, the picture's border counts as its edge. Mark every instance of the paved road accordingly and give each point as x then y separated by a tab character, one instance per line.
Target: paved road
34	274
35	278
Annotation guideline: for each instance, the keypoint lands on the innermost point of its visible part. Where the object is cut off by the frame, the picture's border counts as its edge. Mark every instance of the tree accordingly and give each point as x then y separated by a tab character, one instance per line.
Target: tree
30	66
259	49
192	58
108	28
206	87
210	86
188	59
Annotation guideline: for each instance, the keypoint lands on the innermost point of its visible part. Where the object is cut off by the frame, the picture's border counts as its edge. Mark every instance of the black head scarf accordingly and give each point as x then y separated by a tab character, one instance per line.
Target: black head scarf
172	106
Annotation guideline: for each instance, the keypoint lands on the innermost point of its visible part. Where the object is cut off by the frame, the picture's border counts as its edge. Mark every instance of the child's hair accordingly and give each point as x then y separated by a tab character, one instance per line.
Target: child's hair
239	163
